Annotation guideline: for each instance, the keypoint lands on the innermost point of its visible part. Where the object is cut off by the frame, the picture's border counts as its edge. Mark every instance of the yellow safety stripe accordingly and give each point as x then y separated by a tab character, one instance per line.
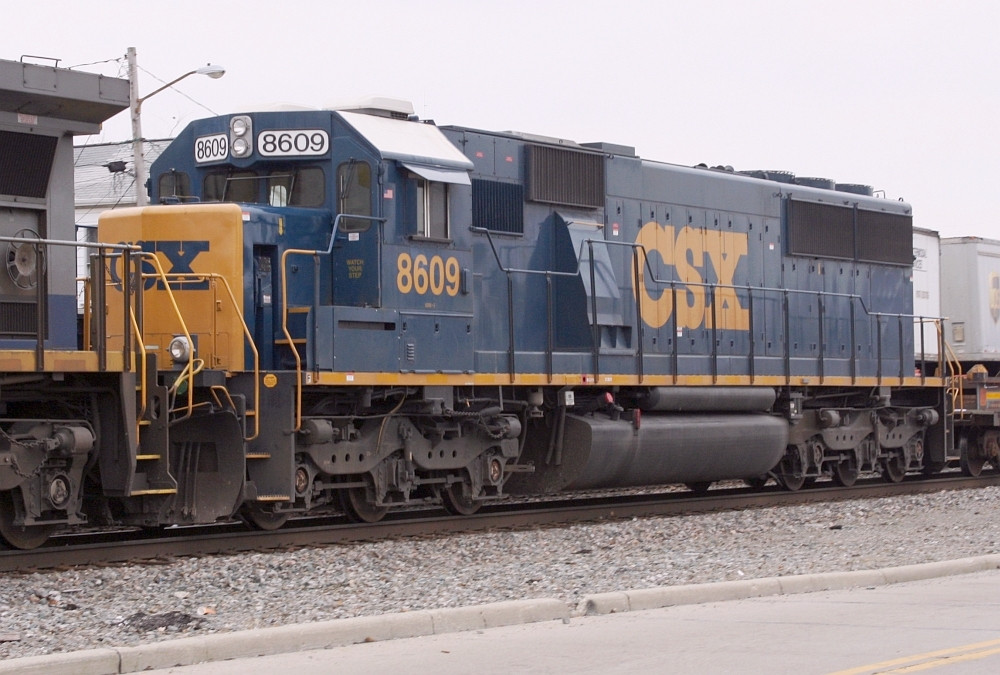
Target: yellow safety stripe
610	380
23	360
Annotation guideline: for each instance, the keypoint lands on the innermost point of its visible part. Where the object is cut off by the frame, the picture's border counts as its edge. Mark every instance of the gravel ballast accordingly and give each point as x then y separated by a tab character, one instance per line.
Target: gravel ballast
126	605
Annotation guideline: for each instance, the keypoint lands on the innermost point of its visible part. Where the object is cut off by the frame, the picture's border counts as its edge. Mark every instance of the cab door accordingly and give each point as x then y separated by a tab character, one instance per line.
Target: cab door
356	248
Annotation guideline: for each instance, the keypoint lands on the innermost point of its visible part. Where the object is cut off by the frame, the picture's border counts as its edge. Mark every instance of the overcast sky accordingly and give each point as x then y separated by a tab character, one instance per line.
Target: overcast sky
901	95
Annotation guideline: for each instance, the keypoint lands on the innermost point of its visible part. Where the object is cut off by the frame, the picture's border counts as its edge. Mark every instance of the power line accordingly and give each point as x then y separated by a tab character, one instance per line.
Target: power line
94	63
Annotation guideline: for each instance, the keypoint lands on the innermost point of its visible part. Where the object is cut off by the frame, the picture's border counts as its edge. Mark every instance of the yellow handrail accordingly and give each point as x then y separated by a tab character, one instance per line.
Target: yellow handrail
87	309
142	377
159	274
253	348
955	375
189	370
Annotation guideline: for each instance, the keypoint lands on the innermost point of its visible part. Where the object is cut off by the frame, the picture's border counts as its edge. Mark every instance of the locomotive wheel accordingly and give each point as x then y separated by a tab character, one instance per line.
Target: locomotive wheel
894	469
845	472
356	507
456	503
699	487
17	536
263	519
790	473
969	460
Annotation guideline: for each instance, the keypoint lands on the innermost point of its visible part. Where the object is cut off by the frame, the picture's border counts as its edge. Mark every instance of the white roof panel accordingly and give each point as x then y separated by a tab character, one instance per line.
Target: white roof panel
410	142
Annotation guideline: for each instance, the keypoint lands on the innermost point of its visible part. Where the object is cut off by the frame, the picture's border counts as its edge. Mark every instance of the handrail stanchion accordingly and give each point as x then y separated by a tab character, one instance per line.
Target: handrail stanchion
510	326
675	333
821	309
753	343
902	372
596	328
639	331
98	323
786	312
549	329
878	369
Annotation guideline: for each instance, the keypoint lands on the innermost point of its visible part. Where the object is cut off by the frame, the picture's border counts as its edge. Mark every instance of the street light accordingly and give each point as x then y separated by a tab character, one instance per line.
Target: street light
135	105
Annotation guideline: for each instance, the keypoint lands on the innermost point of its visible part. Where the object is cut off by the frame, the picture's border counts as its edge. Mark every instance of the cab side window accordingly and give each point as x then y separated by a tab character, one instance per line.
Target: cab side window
235	186
354	194
296	187
174	185
432	209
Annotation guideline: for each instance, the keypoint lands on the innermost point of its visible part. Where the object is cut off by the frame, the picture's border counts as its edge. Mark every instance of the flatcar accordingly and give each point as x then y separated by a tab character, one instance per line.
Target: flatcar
358	310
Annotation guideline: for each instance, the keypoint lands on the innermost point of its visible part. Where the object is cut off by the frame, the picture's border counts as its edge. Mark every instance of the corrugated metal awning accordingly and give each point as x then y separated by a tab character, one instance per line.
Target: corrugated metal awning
439	175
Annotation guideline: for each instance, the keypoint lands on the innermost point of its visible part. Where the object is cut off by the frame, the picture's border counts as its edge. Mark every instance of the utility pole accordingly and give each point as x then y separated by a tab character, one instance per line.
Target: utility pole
135	106
139	162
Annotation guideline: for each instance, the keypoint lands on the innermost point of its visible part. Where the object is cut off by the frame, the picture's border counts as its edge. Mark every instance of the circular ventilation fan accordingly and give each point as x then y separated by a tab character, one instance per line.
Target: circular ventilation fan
22	259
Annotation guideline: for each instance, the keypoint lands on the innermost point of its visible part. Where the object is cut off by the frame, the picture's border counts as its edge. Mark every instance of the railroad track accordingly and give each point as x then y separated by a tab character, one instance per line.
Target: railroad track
164	545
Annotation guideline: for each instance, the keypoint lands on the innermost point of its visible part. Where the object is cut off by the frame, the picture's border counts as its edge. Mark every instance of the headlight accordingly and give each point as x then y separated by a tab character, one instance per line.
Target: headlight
240	135
241	148
180	349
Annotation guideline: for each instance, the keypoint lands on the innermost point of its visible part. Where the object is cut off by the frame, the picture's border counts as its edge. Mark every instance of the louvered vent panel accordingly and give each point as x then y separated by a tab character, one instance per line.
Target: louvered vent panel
498	206
25	164
18	319
561	176
885	237
821	230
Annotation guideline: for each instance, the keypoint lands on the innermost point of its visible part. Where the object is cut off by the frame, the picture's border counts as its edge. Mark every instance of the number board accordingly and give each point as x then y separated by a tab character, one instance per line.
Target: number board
292	142
211	148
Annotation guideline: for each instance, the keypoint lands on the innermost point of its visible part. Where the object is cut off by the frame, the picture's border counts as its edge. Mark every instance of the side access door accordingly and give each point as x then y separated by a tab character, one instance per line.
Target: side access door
356	247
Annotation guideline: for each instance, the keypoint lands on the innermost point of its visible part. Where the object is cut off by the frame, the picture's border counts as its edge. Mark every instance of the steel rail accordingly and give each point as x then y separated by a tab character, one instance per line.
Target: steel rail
168	544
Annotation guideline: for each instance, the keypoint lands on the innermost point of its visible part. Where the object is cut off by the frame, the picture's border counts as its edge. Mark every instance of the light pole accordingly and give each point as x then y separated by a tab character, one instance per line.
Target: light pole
135	105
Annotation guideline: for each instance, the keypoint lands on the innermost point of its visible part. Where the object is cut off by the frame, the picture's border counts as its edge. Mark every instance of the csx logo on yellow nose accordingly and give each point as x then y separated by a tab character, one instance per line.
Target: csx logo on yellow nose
179	255
686	251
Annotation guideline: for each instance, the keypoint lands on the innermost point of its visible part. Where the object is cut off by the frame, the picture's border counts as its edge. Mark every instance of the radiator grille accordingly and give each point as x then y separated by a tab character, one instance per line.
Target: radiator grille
885	237
18	319
821	230
829	231
561	176
25	163
498	206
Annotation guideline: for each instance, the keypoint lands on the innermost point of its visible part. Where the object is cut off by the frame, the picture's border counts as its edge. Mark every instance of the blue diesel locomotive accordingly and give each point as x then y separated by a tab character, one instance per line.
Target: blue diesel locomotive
444	312
357	310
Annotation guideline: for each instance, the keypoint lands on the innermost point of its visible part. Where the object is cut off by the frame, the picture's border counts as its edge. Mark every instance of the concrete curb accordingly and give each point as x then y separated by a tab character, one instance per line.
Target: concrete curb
342	632
283	639
668	596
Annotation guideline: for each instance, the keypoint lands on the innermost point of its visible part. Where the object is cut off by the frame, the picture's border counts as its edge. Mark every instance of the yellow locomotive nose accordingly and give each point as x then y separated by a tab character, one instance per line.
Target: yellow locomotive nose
192	265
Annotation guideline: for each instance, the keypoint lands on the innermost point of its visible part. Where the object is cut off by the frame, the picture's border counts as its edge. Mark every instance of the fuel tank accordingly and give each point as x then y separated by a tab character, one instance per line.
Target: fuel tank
599	452
707	399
